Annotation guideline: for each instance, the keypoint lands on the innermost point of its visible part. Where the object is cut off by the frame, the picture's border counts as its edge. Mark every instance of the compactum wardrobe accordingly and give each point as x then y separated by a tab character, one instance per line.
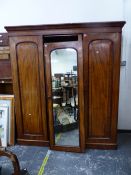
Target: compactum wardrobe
66	84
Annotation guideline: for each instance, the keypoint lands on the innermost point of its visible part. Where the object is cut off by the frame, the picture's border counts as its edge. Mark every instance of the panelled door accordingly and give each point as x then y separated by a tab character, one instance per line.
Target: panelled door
101	88
29	89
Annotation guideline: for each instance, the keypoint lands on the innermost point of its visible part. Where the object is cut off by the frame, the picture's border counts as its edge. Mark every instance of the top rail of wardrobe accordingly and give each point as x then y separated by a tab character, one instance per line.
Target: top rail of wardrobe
66	26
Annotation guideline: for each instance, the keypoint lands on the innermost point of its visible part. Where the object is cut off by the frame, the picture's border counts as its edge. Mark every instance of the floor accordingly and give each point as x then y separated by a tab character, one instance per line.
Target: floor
93	162
68	138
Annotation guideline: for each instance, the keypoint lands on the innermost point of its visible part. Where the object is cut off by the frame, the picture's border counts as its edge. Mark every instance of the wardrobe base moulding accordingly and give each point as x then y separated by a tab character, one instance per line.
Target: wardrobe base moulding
32	142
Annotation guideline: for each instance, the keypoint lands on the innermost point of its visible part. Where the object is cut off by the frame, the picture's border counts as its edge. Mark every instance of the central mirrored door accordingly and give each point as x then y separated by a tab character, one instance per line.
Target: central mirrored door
64	76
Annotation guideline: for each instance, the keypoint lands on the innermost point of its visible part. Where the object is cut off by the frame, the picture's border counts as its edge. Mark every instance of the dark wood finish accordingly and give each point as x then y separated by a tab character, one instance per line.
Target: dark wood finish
4	40
4	53
99	77
6	86
29	88
13	159
101	146
48	47
5	69
66	29
34	142
66	148
101	83
66	26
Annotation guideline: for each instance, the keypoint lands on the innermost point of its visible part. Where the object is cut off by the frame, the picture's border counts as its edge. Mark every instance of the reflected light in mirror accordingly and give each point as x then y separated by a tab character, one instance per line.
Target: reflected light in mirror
65	97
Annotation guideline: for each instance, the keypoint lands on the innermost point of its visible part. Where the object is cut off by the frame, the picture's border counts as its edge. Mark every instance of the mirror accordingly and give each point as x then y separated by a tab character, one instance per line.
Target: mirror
65	96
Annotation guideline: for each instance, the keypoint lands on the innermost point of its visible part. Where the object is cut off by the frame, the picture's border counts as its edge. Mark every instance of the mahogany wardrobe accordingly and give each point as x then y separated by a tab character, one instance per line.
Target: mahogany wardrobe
66	84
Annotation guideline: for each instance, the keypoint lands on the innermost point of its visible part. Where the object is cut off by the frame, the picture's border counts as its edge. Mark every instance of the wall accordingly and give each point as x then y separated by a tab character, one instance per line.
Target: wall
28	12
124	121
25	12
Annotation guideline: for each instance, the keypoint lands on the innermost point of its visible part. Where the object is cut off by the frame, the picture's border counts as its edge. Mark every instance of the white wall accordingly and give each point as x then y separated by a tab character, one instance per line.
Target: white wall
28	12
124	121
25	12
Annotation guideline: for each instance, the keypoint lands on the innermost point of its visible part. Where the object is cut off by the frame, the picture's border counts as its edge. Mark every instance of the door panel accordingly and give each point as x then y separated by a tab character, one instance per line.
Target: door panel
29	88
100	76
28	73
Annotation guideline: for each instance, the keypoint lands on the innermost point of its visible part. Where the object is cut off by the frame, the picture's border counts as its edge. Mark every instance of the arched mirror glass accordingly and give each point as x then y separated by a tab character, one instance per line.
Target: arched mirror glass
65	96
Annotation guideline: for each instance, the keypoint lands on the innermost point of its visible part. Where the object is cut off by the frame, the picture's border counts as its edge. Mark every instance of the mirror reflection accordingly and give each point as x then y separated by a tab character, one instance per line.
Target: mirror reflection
65	96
